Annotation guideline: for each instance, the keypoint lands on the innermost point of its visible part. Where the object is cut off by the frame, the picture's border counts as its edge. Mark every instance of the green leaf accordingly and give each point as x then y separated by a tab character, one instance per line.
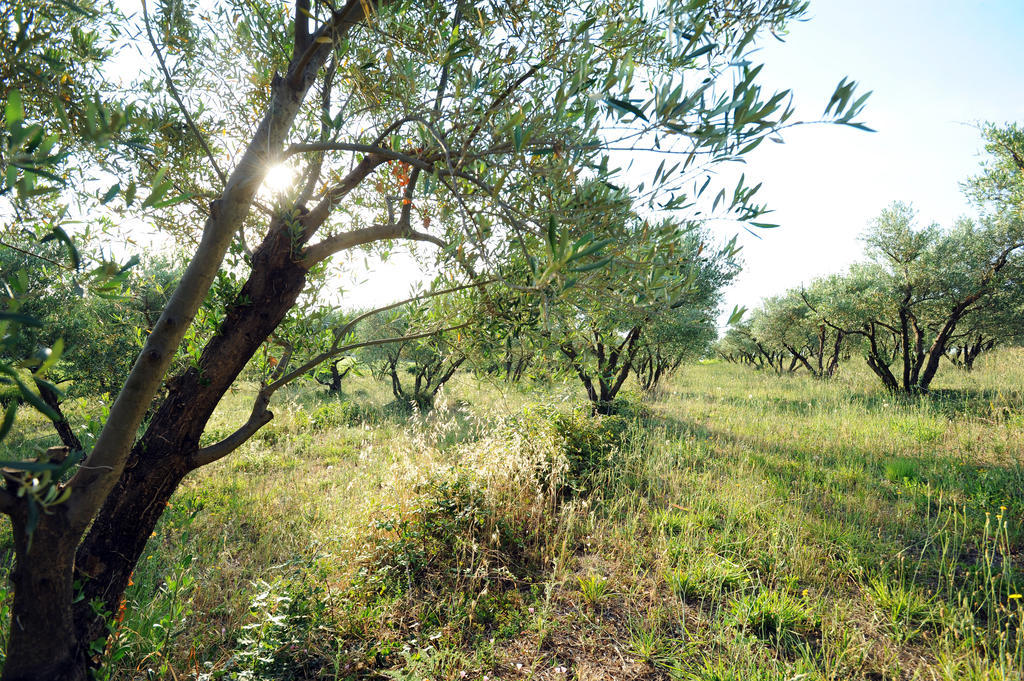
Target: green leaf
36	170
626	106
456	55
20	318
14	112
52	358
173	201
110	194
8	421
701	51
593	248
593	266
60	235
30	396
30	466
859	126
129	194
159	188
74	7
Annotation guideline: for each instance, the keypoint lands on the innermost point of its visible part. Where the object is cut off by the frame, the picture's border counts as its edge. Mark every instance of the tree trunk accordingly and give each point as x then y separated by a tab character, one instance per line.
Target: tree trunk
905	345
162	457
334	387
833	362
938	349
588	382
50	636
396	381
802	359
43	643
60	424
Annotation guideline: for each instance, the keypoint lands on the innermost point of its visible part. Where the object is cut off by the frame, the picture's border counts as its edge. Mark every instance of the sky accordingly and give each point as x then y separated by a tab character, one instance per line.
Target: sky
937	69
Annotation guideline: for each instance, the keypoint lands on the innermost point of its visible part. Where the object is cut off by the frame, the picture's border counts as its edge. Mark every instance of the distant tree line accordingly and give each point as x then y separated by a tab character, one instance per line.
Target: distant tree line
924	294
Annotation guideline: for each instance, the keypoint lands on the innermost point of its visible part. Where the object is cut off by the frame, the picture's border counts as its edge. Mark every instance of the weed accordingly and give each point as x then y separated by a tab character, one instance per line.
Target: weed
670	522
346	543
908	610
708	576
901	470
594	589
435	663
279	642
774	616
647	642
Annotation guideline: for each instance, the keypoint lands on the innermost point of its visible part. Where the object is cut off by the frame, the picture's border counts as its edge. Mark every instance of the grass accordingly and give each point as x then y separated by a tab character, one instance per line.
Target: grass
594	589
741	526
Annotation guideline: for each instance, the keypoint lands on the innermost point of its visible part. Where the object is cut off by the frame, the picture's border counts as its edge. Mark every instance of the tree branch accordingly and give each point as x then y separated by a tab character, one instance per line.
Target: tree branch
354	346
383	153
426	296
318	216
301	25
315	168
357	237
259	417
98	474
177	96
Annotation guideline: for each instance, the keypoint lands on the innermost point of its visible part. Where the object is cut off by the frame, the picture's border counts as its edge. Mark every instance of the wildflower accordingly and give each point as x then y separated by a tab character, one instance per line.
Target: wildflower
1014	597
532	610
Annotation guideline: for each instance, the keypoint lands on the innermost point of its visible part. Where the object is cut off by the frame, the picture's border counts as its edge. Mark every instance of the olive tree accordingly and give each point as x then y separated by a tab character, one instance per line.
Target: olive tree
686	334
444	124
922	286
416	366
789	332
740	344
646	311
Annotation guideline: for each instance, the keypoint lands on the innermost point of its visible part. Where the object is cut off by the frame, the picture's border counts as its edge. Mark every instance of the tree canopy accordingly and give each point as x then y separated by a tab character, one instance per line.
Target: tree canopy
924	293
465	128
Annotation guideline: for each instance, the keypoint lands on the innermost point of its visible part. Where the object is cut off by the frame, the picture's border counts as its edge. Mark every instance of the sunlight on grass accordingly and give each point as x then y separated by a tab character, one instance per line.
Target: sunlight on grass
741	526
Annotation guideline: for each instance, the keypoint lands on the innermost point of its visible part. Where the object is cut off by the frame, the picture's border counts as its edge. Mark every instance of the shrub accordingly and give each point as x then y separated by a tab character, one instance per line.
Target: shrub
285	635
587	443
452	535
630	405
334	414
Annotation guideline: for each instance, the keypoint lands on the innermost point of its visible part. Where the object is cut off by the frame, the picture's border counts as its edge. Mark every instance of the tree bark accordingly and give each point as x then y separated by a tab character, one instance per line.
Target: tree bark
162	457
120	491
43	643
60	424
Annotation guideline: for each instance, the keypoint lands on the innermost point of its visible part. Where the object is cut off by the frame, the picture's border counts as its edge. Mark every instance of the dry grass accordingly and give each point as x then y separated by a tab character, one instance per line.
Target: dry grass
755	527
